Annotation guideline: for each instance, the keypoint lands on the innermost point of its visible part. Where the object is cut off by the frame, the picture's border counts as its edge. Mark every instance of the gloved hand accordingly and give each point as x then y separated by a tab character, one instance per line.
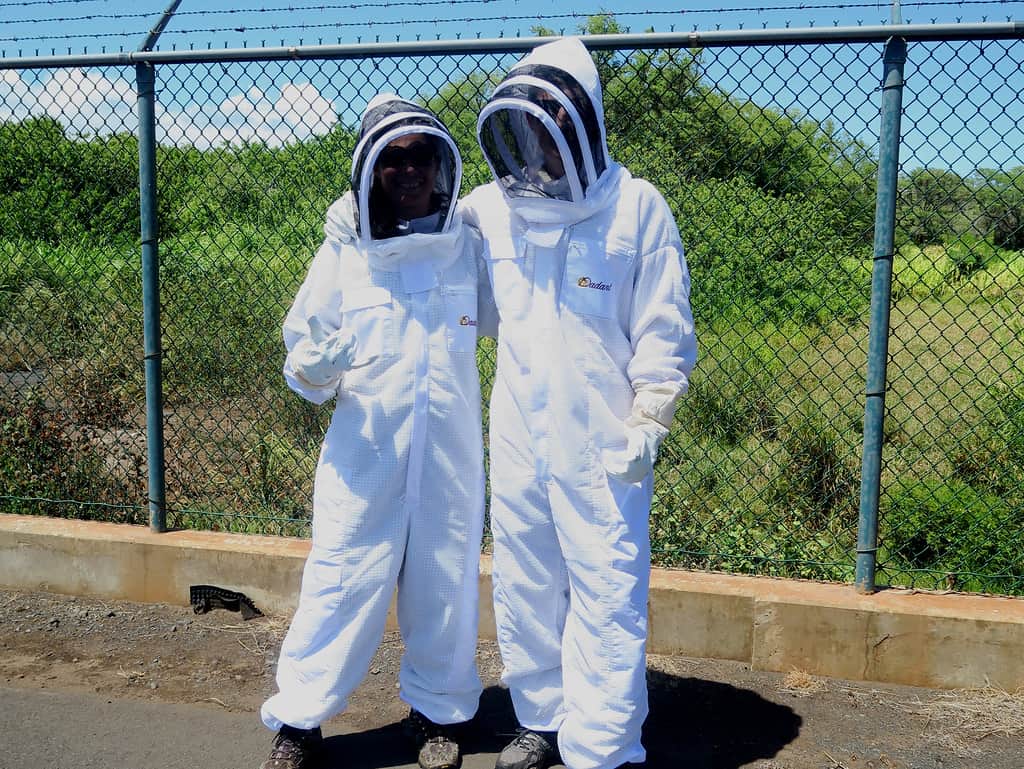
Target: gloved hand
654	407
633	463
320	358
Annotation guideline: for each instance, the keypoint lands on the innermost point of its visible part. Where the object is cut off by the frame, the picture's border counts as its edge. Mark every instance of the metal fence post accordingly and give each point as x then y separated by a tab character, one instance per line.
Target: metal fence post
894	57
146	81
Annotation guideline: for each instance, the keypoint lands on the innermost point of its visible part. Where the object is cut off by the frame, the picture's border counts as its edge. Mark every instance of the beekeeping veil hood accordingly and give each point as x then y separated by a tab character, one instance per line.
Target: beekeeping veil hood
542	132
387	118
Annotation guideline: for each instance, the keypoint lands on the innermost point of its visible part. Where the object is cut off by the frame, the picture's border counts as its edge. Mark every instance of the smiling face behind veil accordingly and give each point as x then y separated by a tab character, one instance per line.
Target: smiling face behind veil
404	168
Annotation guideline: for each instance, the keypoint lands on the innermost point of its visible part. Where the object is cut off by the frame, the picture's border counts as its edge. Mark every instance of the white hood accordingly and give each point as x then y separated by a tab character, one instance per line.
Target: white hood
387	118
543	135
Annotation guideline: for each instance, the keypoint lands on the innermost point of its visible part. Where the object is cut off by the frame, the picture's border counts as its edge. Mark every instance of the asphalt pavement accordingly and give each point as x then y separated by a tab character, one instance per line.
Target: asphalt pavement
48	729
695	723
55	729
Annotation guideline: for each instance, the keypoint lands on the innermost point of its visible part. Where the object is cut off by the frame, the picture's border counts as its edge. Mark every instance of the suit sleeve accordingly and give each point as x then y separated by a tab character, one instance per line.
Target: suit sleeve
319	295
661	321
487	309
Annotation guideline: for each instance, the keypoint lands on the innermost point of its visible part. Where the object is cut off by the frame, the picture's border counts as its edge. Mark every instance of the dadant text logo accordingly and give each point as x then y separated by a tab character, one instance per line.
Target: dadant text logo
586	282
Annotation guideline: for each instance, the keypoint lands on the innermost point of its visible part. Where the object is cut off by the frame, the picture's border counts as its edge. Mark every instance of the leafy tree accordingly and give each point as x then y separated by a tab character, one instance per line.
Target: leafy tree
58	188
1001	199
934	206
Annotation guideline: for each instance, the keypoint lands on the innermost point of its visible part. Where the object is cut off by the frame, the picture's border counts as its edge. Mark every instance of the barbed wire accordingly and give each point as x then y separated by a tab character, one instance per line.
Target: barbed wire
504	18
47	2
429	3
248	11
89	17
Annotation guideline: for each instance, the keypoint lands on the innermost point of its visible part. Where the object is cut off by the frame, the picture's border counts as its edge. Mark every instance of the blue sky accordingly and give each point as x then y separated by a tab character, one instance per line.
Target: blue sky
963	104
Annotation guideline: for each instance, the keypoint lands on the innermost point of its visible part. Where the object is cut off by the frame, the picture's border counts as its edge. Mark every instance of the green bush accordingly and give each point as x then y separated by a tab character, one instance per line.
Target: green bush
782	545
819	479
934	205
991	456
47	462
1001	196
949	527
202	192
1008	224
731	401
225	300
56	188
762	258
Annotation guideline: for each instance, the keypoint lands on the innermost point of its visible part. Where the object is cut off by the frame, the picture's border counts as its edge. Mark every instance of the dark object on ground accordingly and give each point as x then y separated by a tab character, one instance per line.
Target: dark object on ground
436	744
529	750
206	597
294	748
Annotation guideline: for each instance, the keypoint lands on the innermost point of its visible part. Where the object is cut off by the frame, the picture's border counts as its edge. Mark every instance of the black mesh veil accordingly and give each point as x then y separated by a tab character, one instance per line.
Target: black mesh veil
580	99
531	132
386	119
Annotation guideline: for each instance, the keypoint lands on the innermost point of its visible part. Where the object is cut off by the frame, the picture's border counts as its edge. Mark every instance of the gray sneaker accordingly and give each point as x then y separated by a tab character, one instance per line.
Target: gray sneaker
529	750
436	744
294	748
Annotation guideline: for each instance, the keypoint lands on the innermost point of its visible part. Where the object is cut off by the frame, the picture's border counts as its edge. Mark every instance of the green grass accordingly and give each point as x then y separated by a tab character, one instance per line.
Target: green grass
937	272
760	474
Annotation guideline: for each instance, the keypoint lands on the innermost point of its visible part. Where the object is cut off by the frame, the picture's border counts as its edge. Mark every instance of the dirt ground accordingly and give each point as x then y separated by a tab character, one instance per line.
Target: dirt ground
704	713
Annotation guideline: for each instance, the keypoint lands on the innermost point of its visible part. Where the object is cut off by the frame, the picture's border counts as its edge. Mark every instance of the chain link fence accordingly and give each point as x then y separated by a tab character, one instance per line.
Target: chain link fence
769	157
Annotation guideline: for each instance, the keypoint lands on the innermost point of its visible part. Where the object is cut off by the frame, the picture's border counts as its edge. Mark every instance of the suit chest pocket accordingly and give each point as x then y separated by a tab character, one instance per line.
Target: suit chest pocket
368	313
460	318
511	279
594	277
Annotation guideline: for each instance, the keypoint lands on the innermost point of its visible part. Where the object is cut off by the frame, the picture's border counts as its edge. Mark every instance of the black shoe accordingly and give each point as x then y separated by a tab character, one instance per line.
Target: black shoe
294	748
529	750
436	744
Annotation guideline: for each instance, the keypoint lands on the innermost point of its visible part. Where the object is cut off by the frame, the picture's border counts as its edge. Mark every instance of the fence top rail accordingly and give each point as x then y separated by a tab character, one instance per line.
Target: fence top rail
694	39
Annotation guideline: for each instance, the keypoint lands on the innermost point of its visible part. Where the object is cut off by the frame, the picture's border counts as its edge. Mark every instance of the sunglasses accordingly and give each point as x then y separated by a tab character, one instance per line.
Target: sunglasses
420	155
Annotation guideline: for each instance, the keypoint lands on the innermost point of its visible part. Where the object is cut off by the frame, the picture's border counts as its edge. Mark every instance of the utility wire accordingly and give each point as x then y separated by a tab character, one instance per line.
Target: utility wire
341	6
428	3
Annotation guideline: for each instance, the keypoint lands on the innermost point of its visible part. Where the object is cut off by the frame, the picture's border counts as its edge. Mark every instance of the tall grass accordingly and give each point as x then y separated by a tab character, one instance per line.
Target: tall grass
760	475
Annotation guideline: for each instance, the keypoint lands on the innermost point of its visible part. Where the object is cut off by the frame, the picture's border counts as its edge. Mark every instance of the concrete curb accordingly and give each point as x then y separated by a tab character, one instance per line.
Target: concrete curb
897	636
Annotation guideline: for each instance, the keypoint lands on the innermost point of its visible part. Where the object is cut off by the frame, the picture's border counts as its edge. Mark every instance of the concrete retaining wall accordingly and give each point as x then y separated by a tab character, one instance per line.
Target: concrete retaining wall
897	636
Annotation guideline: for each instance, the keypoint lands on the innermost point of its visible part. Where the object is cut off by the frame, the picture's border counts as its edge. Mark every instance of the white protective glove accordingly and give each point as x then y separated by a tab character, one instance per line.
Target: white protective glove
321	359
633	463
646	427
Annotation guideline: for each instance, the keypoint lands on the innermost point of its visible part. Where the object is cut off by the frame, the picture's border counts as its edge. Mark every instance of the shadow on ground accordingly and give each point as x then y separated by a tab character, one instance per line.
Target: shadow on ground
699	724
693	724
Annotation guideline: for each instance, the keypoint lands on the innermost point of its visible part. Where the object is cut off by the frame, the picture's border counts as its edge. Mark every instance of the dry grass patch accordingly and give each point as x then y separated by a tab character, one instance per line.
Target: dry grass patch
962	718
681	667
975	713
802	684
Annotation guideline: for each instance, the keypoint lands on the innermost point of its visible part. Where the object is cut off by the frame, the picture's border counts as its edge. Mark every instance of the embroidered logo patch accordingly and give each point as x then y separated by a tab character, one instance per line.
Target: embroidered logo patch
586	282
465	320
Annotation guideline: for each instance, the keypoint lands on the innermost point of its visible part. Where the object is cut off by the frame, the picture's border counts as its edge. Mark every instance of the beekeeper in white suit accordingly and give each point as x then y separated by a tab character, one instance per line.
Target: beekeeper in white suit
595	347
386	323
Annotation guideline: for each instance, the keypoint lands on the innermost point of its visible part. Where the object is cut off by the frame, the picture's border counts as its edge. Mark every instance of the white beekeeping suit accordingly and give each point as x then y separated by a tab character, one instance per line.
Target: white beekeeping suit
595	346
386	323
